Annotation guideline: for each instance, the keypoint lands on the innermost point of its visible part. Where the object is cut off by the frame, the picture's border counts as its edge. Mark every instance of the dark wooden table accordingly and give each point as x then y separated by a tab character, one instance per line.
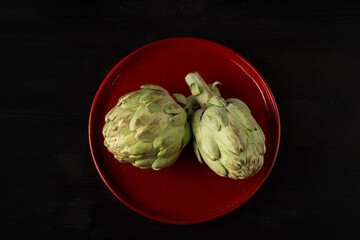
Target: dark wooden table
54	56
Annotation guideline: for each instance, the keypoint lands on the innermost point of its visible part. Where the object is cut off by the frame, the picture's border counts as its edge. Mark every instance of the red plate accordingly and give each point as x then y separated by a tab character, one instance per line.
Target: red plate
187	192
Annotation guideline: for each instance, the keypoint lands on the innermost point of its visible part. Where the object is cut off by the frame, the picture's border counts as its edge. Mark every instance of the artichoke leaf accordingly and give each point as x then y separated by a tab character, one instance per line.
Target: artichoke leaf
162	162
243	116
166	137
144	162
170	150
207	143
209	118
173	108
187	135
141	148
216	166
239	103
180	98
151	95
178	120
197	152
195	120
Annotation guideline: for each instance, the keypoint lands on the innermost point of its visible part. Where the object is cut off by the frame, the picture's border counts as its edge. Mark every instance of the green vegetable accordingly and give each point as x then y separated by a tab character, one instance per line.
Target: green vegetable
226	135
147	128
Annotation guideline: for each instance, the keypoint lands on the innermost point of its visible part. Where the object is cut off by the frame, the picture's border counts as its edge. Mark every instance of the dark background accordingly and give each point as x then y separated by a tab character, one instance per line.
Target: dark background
54	56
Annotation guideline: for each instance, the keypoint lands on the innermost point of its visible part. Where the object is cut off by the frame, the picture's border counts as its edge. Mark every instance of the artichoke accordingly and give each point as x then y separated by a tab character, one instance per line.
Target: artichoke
147	128
226	135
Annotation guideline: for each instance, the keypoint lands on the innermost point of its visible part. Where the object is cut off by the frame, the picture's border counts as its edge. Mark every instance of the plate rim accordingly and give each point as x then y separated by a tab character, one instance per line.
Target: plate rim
204	219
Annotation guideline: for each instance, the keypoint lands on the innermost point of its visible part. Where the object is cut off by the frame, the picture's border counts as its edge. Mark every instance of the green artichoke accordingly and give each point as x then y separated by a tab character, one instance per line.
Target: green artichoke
147	128
226	135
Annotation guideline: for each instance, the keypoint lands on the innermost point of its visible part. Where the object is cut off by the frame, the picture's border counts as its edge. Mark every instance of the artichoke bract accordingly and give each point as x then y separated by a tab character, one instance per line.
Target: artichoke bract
226	135
147	128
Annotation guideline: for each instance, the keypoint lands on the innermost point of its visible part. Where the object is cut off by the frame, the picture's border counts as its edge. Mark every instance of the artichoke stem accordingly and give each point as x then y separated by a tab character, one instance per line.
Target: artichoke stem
199	88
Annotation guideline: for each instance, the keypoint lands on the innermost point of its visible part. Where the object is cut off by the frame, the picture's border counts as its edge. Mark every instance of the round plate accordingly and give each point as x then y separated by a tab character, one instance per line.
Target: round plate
187	192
